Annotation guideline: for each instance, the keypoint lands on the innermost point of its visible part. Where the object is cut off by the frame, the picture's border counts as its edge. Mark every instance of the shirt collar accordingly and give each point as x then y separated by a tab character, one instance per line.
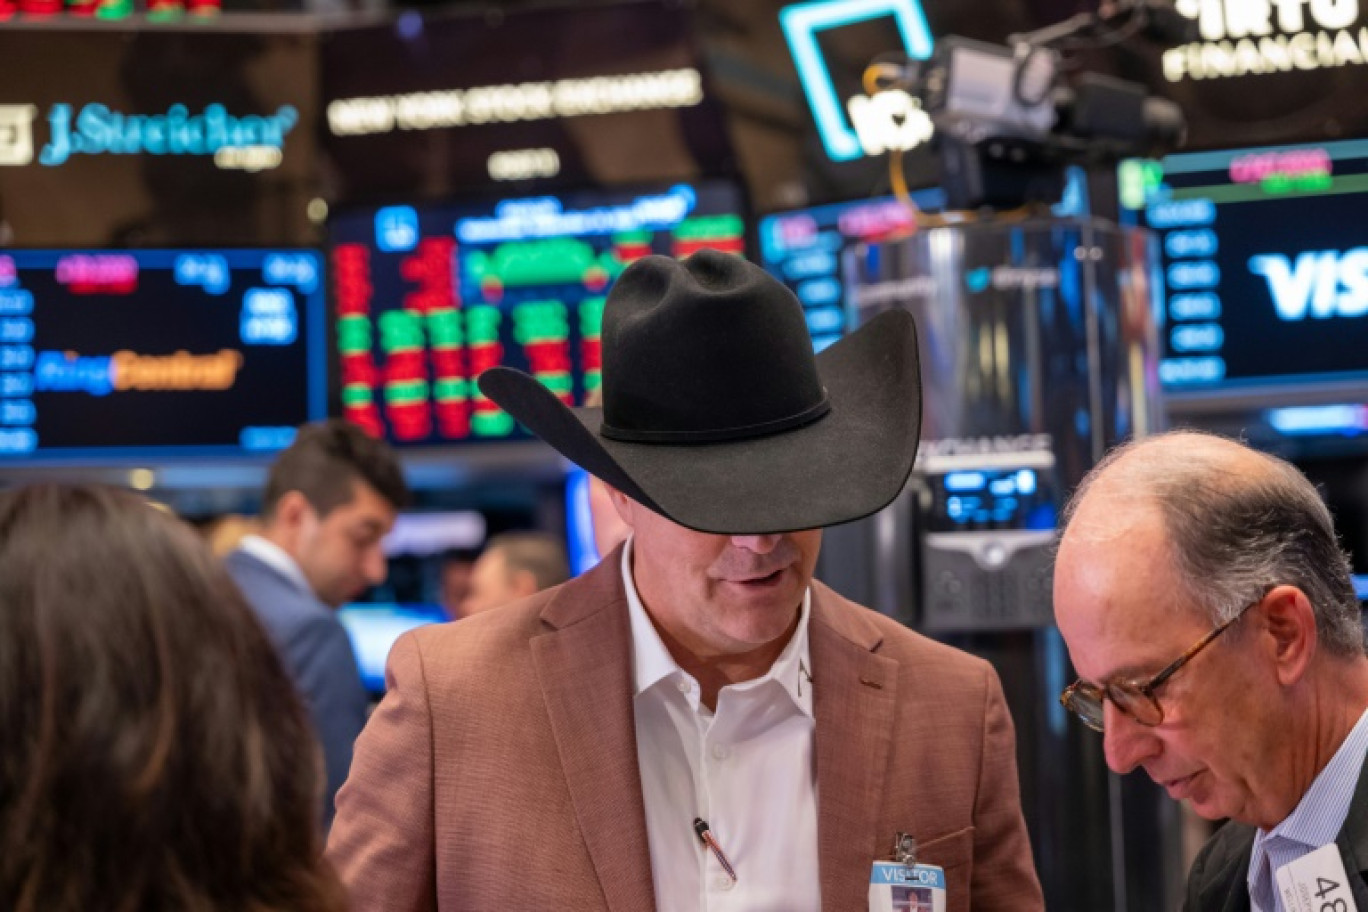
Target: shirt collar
652	662
278	559
1319	816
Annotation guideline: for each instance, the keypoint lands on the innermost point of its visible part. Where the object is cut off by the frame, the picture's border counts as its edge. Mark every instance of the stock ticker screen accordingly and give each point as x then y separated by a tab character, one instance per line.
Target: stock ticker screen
145	353
1264	263
992	499
803	248
429	297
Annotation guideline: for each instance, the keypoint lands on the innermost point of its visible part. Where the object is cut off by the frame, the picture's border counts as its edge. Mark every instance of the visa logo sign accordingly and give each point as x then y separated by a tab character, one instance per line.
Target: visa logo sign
1319	283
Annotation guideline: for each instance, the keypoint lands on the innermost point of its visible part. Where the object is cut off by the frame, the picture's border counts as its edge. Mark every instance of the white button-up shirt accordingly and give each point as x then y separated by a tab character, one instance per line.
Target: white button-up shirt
276	557
748	769
1315	822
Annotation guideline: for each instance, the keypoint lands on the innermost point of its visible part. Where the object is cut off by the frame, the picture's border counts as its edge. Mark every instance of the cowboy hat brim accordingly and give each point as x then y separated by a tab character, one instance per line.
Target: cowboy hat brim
846	465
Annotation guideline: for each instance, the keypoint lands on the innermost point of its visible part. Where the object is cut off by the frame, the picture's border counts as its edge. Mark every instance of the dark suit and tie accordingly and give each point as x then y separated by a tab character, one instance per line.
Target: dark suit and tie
1217	881
330	499
317	654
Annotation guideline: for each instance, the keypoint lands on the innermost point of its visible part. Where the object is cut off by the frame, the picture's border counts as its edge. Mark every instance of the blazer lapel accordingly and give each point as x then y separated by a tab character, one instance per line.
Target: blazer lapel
1226	889
1237	884
1353	842
855	696
584	667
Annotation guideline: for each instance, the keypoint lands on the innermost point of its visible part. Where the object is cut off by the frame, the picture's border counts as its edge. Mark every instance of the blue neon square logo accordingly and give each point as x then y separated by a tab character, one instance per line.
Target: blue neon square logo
396	228
801	23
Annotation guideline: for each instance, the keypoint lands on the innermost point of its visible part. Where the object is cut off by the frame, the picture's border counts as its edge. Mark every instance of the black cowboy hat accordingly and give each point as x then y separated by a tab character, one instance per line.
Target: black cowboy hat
716	413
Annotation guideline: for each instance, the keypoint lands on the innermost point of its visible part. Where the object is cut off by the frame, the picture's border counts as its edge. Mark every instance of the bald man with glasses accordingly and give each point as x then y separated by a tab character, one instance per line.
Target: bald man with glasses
1213	622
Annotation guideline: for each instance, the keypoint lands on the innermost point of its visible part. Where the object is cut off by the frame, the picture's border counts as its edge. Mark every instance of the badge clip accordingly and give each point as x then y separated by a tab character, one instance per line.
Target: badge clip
904	849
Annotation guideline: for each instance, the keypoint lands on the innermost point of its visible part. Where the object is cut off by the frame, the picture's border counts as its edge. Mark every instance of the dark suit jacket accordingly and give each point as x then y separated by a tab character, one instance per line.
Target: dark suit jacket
318	655
1218	881
500	770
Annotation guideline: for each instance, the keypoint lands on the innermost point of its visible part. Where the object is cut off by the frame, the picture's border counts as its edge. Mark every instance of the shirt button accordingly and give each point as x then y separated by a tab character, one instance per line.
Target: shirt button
723	882
719	752
683	687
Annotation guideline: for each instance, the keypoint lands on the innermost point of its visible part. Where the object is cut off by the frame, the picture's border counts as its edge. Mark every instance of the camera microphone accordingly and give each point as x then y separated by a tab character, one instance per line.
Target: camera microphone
1159	20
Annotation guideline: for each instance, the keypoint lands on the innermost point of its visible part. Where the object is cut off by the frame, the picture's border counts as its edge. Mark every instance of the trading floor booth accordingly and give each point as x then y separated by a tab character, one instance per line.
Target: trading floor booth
1038	347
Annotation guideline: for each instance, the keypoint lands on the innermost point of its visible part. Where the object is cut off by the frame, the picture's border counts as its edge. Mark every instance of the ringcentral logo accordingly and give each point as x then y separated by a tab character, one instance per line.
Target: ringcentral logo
249	142
128	371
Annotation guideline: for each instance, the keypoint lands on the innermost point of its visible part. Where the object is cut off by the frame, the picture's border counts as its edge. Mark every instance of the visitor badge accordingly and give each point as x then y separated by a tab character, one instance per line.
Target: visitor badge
898	887
1316	883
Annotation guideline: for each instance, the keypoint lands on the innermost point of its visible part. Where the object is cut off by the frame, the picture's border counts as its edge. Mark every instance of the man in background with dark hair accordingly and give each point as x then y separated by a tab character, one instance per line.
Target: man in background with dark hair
453	580
513	566
330	499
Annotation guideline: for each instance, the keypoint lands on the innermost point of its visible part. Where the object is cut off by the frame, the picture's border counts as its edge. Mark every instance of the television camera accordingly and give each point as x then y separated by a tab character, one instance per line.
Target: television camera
1010	119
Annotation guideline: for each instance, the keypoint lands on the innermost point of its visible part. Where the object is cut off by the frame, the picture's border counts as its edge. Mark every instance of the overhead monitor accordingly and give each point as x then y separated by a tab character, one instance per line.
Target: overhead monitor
579	522
144	354
803	248
1264	257
373	628
535	97
137	135
990	499
429	297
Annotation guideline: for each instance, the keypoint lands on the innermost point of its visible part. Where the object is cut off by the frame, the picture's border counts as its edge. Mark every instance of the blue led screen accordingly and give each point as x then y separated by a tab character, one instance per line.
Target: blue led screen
120	353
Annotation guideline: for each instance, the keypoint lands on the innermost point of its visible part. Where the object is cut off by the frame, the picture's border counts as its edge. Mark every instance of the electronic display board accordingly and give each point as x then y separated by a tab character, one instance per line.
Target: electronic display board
373	628
428	298
1264	264
107	354
984	499
803	250
127	136
527	101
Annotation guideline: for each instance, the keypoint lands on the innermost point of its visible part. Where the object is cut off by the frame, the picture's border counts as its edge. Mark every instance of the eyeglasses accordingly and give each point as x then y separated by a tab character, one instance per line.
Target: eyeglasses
1135	698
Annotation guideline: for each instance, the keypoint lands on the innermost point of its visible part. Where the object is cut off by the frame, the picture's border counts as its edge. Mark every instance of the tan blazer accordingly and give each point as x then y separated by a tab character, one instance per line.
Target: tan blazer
500	771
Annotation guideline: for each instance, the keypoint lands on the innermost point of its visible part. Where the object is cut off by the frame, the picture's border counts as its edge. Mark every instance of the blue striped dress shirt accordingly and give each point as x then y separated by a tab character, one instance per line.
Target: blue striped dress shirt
1315	822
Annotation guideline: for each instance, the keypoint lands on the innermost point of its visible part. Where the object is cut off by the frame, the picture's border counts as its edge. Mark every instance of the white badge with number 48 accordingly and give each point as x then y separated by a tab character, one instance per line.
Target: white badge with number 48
1316	883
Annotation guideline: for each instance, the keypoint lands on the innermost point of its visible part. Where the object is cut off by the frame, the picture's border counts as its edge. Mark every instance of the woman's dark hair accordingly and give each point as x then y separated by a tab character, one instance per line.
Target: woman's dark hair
153	754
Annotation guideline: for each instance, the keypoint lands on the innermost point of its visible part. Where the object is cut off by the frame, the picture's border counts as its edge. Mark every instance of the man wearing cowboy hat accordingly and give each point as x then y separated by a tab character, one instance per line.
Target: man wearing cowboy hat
559	752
